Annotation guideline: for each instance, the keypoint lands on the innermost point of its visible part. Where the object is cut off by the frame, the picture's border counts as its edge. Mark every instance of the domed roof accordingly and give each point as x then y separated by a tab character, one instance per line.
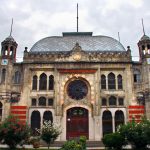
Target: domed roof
10	39
144	37
85	40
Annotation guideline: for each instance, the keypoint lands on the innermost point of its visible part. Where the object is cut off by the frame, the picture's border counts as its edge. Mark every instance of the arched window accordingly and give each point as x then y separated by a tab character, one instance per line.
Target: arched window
34	83
42	101
6	51
17	77
43	82
1	110
33	103
137	76
120	101
50	102
112	101
35	121
3	77
48	116
51	82
119	78
111	81
103	82
104	102
107	122
11	51
119	118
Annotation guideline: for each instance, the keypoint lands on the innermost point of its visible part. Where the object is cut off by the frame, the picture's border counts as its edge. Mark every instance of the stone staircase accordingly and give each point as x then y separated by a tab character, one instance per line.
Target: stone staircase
91	145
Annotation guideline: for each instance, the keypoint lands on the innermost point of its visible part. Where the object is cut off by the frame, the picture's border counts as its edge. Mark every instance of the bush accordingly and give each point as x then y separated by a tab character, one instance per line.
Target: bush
75	144
13	132
136	134
113	141
49	132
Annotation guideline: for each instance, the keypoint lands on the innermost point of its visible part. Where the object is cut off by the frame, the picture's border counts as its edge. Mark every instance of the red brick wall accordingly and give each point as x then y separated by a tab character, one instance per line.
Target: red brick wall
20	112
136	112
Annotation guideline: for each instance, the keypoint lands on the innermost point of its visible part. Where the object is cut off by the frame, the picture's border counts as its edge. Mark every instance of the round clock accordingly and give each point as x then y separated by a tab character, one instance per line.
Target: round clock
77	89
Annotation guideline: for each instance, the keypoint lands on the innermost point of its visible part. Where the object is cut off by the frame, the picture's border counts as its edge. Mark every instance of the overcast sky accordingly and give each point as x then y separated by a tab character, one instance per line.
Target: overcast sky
36	19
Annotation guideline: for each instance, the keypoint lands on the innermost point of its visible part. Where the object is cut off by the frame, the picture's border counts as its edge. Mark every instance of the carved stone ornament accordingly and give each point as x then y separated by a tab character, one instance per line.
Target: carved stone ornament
77	52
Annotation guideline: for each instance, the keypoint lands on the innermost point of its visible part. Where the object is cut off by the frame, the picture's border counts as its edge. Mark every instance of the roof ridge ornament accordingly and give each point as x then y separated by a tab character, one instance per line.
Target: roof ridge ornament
143	27
11	27
77	48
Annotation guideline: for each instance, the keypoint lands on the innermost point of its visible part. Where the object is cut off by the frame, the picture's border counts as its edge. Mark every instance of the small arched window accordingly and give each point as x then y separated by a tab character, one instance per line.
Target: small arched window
51	82
111	81
112	101
42	101
34	83
103	82
11	51
104	102
43	82
3	76
48	116
119	78
33	103
6	51
50	102
17	77
137	76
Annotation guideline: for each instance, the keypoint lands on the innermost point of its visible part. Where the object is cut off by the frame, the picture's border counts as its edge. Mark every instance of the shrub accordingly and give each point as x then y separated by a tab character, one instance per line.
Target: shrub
113	141
49	132
136	134
75	144
13	132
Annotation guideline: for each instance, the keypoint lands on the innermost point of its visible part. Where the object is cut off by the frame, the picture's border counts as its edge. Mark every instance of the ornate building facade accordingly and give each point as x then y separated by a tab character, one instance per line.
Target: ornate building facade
87	84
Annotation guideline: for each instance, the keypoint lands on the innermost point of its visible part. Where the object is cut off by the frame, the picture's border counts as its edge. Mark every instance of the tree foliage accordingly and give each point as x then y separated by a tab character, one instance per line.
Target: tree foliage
13	132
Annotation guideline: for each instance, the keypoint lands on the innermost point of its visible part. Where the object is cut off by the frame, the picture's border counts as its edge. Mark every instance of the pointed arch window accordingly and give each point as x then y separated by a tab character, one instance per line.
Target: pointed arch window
119	78
112	101
111	81
103	82
33	103
17	77
11	51
119	118
48	116
43	82
3	76
6	51
107	122
51	82
104	102
42	101
34	83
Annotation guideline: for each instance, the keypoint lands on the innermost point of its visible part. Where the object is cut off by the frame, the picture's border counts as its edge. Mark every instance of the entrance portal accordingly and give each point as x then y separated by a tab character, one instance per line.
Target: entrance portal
77	123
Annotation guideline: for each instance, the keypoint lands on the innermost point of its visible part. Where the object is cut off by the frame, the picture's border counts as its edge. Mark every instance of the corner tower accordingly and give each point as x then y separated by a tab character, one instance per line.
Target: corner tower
9	47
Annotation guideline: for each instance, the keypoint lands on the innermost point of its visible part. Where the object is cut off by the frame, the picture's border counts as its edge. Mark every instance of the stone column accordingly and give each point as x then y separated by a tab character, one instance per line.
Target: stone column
97	128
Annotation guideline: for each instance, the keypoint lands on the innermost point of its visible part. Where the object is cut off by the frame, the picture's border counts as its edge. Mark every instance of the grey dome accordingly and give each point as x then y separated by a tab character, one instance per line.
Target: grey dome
144	37
10	39
85	40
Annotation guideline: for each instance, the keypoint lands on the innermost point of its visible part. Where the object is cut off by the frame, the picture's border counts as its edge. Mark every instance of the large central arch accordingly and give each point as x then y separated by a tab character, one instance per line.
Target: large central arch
77	123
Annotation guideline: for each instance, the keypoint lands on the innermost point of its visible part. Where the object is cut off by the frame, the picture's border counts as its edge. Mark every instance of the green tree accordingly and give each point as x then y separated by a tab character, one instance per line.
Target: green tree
49	132
13	132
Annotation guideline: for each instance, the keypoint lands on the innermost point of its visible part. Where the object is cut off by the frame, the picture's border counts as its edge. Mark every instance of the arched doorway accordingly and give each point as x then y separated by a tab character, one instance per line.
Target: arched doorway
48	116
35	121
77	123
107	122
119	118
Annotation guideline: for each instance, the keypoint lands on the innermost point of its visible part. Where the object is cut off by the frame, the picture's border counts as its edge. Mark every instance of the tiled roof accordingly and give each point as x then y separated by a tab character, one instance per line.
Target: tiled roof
68	41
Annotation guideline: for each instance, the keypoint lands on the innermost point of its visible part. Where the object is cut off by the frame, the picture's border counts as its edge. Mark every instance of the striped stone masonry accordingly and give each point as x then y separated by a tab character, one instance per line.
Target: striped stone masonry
136	112
20	112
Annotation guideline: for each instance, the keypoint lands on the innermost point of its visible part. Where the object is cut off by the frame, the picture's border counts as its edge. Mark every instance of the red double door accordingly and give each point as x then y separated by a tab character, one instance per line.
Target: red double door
77	123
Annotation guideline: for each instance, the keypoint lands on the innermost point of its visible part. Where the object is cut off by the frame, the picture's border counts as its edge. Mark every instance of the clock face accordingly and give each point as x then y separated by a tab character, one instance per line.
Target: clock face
77	89
4	62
